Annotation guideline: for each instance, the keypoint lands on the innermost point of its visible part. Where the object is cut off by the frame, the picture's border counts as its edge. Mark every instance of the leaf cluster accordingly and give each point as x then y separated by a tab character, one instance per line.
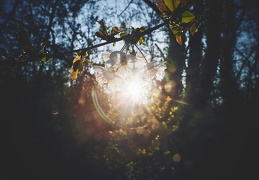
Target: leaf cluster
179	22
105	34
134	37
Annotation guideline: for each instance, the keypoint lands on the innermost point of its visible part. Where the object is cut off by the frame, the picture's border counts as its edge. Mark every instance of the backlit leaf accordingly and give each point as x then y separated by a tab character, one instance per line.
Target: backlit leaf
123	35
115	30
176	3
192	28
172	4
175	29
187	17
161	6
179	39
76	67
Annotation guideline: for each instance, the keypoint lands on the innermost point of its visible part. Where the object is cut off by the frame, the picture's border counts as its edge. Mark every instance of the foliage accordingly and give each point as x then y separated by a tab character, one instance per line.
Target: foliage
179	22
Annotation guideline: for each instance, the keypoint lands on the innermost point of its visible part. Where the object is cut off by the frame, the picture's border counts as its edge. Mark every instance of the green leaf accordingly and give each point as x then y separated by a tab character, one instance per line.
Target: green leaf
176	29
172	4
187	17
176	3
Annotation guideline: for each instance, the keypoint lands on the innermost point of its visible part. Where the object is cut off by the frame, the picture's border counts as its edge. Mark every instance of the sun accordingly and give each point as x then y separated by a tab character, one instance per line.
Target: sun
135	91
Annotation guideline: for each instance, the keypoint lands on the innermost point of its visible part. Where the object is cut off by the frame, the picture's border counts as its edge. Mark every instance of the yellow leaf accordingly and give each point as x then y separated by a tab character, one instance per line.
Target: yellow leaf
75	67
73	74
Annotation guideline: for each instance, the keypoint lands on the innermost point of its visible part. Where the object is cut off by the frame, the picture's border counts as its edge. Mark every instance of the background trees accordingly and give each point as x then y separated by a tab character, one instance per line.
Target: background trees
215	71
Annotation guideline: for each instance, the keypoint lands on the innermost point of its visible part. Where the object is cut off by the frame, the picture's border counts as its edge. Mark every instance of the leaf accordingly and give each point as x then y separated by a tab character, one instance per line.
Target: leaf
115	30
161	6
46	59
122	35
176	29
83	53
187	17
24	41
192	28
101	35
103	26
141	41
136	37
76	67
179	39
172	4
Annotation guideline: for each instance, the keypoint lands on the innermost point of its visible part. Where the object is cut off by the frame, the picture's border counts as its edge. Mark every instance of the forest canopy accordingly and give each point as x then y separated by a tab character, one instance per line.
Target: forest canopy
128	89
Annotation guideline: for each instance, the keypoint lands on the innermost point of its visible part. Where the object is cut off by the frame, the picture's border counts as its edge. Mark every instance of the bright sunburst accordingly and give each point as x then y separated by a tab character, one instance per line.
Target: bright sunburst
128	80
135	91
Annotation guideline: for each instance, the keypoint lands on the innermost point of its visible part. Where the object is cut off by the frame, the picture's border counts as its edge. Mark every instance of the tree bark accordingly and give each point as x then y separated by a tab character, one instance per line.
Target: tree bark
228	86
192	74
209	66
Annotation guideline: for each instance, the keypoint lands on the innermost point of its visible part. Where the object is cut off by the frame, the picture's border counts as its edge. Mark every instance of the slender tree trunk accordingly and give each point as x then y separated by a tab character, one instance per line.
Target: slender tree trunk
192	74
209	66
226	71
175	66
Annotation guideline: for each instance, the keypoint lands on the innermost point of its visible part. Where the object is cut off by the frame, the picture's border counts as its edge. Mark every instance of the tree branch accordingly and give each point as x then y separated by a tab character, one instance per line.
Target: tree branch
139	34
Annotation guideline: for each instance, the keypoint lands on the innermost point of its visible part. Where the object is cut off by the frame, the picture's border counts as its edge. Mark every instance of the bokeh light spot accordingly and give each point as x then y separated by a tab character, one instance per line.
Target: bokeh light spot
176	157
